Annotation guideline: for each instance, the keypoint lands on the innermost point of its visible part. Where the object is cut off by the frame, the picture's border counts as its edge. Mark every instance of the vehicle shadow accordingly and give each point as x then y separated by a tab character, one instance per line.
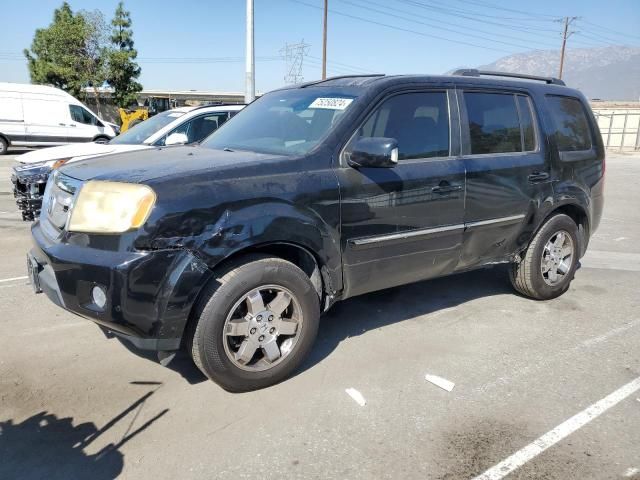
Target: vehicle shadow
46	446
357	315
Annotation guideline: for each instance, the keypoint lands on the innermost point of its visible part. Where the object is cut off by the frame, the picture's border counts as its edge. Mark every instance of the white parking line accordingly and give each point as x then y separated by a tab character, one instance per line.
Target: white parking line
562	431
12	279
611	260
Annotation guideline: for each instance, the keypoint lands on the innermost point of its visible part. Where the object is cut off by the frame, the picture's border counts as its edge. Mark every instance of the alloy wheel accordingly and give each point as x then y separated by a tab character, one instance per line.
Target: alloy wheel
262	328
557	258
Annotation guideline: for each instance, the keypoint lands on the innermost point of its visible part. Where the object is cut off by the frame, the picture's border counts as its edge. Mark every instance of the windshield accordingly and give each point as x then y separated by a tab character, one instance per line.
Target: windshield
140	132
287	122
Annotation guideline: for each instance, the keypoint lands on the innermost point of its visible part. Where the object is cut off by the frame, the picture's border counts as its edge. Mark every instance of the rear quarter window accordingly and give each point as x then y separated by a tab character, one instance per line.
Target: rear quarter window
571	124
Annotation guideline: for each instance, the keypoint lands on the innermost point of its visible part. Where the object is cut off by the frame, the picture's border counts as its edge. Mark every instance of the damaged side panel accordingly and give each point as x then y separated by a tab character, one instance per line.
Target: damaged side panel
233	216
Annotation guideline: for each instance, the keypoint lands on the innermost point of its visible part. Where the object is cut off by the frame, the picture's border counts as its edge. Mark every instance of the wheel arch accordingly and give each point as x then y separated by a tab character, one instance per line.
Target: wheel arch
298	254
578	214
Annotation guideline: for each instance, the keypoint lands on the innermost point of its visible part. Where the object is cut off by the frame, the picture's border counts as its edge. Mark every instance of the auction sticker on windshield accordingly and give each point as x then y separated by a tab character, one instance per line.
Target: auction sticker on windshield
331	103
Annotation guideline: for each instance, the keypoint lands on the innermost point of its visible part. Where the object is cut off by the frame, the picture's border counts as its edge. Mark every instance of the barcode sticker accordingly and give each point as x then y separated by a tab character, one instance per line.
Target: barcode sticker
331	103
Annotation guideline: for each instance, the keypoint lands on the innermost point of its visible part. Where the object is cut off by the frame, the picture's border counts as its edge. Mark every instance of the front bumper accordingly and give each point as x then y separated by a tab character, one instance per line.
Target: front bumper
149	294
28	188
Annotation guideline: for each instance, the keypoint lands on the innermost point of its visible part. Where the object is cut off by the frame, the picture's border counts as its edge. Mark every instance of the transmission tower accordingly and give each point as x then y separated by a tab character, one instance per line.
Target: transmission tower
293	55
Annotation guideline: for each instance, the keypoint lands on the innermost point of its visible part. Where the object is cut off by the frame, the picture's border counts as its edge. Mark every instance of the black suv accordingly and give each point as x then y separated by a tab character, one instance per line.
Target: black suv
317	193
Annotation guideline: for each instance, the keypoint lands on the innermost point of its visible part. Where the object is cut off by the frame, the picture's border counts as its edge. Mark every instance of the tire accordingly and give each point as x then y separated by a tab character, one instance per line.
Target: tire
4	146
215	350
101	140
528	276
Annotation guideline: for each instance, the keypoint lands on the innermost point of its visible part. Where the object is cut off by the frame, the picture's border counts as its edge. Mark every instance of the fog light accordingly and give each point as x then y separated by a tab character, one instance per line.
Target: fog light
98	296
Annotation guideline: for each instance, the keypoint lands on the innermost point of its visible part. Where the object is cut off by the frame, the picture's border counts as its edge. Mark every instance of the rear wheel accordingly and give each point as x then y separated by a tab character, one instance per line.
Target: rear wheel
550	262
4	146
102	140
255	324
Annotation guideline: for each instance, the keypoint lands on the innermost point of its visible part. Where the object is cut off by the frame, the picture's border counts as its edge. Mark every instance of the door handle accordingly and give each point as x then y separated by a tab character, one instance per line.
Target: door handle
62	124
446	187
536	177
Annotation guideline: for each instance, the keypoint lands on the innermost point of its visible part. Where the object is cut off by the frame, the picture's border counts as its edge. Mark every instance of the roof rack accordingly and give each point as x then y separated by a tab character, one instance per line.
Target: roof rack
472	72
342	76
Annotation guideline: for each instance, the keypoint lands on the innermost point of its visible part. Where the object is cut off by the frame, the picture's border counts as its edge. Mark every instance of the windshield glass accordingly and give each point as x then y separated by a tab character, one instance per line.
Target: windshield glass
140	132
287	122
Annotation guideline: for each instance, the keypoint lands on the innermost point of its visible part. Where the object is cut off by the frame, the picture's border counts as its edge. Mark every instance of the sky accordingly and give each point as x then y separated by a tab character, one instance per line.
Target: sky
201	44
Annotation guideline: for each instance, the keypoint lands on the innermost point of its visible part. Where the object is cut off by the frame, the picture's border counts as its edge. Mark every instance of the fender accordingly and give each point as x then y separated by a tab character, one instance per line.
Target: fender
255	225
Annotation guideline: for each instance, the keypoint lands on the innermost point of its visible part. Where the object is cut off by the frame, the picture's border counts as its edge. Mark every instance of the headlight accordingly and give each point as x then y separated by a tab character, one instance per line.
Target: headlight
111	207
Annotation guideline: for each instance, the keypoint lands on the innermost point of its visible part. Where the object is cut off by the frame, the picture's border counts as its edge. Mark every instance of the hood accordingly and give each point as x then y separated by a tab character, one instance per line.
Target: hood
78	151
153	163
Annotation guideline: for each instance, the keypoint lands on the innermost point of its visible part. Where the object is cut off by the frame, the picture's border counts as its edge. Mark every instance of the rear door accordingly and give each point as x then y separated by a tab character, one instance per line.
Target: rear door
508	172
11	116
405	223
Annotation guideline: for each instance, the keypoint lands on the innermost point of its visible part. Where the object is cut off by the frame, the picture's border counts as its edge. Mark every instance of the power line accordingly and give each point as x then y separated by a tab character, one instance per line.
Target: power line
394	27
542	16
611	31
472	15
368	7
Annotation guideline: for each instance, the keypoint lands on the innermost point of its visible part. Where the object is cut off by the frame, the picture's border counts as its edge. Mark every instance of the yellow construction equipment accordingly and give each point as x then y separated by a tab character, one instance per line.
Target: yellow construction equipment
130	118
137	114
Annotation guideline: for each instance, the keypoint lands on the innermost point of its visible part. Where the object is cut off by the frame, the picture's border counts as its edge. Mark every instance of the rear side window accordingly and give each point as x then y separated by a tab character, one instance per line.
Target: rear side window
572	127
418	121
494	123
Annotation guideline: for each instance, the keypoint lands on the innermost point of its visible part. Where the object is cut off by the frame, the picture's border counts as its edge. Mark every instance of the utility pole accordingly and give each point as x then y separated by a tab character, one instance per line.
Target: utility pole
565	34
250	77
324	41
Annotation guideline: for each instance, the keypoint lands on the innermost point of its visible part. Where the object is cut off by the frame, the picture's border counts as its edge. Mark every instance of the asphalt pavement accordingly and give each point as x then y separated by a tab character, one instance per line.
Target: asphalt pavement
545	390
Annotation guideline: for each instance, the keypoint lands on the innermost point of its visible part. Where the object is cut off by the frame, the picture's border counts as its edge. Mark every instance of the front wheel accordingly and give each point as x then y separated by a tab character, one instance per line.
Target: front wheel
549	262
255	324
4	146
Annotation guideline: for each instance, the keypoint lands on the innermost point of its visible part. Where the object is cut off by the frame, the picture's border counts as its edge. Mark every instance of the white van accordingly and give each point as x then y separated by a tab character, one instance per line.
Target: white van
40	116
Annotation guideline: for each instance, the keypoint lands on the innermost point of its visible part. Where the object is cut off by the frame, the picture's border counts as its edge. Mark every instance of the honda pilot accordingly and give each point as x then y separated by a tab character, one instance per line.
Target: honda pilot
317	193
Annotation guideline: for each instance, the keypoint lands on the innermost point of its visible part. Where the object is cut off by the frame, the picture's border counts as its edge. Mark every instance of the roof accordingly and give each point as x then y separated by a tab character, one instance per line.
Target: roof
29	88
382	81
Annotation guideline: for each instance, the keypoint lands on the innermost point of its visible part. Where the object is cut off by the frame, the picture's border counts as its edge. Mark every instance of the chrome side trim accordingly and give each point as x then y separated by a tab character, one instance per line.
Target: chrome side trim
430	231
492	221
406	234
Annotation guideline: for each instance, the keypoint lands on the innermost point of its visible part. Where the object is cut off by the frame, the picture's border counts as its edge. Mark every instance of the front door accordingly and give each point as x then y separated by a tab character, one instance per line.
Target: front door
83	126
508	175
405	223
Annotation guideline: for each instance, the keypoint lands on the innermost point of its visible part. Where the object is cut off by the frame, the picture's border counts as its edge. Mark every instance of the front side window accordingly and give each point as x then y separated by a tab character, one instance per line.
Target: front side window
82	115
287	122
199	128
419	122
572	127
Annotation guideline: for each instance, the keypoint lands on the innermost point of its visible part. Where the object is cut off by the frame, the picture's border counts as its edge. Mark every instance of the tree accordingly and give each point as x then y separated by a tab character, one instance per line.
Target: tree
123	70
71	53
55	51
95	54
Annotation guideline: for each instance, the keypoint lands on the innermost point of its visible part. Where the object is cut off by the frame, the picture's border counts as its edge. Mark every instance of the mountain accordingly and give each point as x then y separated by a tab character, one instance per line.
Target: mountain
607	73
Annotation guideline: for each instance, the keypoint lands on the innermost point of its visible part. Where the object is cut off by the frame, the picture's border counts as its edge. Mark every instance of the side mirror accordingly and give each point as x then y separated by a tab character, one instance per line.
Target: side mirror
374	152
176	139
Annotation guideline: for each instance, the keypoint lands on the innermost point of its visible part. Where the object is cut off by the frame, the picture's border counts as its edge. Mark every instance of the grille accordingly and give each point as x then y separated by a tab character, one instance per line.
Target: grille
58	199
